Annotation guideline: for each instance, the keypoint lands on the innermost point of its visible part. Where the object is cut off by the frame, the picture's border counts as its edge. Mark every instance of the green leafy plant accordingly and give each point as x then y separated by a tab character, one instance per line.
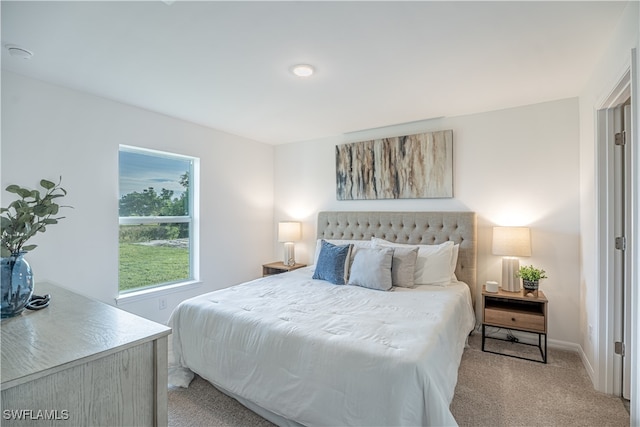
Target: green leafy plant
531	273
28	215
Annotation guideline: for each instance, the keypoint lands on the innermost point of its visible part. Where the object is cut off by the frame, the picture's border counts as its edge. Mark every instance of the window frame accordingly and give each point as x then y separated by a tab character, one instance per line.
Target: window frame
192	218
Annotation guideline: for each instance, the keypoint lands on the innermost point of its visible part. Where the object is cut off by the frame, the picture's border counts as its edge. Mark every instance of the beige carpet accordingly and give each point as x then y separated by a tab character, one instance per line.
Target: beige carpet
495	390
492	390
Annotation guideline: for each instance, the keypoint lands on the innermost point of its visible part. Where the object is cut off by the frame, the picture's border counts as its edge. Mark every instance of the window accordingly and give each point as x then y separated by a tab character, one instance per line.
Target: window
156	215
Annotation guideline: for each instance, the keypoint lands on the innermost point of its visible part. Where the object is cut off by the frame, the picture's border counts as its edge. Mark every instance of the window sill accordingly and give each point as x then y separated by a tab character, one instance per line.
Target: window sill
144	294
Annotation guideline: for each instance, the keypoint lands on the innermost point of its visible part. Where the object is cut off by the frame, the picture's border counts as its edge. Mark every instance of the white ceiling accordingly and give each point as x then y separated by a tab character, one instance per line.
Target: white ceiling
226	64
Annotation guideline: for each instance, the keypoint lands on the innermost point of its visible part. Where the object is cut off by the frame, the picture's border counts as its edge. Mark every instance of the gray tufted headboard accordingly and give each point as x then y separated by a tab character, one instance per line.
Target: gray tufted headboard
427	228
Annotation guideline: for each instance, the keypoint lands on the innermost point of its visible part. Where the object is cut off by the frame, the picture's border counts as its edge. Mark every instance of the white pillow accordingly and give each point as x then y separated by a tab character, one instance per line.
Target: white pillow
371	268
454	262
434	262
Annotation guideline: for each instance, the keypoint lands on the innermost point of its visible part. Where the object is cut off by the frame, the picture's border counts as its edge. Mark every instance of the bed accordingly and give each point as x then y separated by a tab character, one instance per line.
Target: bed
301	350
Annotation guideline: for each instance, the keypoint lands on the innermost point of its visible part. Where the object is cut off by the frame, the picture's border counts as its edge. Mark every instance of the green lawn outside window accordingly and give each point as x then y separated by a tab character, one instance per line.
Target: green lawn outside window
143	266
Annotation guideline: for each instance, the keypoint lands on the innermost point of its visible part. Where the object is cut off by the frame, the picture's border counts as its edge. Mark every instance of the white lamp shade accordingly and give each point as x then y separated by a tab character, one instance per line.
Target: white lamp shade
511	241
289	231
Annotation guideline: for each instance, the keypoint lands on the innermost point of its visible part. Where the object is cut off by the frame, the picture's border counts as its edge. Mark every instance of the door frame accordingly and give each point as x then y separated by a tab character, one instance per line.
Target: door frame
606	381
634	153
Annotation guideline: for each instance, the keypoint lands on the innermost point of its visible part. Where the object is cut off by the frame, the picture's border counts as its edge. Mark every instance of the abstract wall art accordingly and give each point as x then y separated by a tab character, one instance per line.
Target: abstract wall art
403	167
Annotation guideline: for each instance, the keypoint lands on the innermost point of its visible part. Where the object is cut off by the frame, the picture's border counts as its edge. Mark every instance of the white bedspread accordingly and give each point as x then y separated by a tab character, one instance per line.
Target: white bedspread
322	354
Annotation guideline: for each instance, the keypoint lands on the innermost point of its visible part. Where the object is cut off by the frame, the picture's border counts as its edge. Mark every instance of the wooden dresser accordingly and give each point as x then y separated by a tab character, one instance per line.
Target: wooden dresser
80	362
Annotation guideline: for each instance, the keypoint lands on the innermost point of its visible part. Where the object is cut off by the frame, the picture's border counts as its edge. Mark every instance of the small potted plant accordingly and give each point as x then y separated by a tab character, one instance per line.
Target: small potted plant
32	213
531	277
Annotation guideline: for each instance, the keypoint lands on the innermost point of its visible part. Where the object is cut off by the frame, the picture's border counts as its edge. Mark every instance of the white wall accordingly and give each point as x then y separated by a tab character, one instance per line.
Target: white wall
612	66
48	131
518	166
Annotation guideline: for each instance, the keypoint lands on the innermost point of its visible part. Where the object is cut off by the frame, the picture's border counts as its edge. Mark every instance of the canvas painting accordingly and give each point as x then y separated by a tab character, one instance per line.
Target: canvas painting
403	167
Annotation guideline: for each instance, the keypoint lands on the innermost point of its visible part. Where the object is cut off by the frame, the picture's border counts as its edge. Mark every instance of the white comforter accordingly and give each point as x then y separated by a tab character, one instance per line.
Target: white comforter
321	354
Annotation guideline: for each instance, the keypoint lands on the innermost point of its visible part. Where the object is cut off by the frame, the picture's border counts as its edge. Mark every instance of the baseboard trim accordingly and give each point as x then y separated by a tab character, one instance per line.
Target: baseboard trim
587	365
564	345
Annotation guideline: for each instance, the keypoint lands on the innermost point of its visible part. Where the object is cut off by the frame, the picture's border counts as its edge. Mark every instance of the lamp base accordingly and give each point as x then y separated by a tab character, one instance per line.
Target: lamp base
289	254
510	267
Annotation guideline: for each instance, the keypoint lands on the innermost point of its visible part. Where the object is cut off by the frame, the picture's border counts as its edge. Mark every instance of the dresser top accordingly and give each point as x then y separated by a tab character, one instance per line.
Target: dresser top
74	329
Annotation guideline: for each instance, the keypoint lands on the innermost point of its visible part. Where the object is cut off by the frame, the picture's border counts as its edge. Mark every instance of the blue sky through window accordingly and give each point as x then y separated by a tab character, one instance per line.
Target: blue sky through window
140	171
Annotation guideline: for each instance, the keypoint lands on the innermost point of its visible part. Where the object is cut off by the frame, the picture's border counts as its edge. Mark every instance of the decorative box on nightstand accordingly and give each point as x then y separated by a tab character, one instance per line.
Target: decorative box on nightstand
515	310
279	267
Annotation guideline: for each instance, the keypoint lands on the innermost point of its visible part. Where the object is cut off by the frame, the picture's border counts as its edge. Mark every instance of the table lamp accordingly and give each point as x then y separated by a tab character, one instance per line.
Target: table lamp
289	232
511	242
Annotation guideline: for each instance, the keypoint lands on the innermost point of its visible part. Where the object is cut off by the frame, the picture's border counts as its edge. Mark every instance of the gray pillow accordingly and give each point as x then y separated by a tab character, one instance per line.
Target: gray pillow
403	268
371	268
331	263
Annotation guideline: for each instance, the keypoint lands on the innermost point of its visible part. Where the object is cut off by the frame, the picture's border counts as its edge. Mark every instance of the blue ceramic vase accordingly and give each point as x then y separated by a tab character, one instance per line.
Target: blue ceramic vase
17	285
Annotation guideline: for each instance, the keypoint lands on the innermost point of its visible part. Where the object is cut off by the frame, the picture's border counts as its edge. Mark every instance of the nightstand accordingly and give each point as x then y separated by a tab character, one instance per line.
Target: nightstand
514	310
279	267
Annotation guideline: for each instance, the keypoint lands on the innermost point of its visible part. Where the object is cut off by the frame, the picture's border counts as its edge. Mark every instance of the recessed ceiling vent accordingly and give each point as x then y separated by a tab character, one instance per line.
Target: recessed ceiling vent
18	52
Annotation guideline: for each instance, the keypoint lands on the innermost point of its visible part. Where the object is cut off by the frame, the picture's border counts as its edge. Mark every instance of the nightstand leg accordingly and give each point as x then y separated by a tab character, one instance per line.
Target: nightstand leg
540	346
483	337
543	353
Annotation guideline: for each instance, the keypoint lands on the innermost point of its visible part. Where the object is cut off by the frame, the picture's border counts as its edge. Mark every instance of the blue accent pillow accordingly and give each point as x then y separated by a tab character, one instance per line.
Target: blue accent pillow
331	263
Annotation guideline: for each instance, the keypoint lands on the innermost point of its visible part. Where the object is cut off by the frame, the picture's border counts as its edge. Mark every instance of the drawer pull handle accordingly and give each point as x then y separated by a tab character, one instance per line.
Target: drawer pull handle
513	319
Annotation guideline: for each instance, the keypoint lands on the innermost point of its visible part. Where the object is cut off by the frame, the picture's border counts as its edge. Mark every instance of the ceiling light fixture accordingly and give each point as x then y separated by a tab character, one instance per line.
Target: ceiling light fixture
302	70
18	52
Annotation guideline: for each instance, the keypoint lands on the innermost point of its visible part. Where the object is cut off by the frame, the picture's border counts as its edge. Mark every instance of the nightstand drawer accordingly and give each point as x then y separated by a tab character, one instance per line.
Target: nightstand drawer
513	319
